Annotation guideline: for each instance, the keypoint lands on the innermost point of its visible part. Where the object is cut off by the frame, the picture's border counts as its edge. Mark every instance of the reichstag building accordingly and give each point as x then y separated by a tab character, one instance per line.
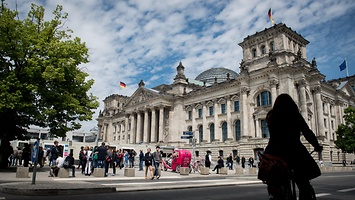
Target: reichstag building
226	110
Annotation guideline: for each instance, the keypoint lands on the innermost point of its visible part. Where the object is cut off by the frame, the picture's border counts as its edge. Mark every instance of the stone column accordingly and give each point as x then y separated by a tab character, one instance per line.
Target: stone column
193	124
133	134
161	124
229	119
145	128
244	112
139	128
273	84
126	130
303	101
206	136
320	117
217	128
153	130
257	128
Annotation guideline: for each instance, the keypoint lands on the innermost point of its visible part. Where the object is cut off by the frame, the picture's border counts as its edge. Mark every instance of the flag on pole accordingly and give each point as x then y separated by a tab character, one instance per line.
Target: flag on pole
122	85
342	66
270	16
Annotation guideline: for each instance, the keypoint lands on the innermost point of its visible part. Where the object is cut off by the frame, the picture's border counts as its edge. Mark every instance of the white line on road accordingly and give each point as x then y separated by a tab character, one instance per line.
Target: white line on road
199	182
322	194
2	198
346	190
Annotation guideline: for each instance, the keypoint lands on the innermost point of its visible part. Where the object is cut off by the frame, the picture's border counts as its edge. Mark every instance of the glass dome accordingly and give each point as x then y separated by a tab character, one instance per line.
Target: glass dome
219	73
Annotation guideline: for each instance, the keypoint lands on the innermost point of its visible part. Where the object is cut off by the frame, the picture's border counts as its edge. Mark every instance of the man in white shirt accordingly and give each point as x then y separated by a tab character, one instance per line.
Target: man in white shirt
58	164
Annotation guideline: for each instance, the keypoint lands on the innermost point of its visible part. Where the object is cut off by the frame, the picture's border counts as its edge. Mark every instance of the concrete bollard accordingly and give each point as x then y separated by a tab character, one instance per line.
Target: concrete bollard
129	172
223	171
63	173
204	171
239	170
99	172
252	170
184	171
22	172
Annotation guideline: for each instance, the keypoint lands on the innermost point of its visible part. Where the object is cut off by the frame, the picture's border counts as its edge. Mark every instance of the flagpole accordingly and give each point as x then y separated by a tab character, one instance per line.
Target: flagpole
347	71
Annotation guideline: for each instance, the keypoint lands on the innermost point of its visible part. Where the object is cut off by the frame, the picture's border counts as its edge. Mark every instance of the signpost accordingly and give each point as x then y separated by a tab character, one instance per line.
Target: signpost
34	158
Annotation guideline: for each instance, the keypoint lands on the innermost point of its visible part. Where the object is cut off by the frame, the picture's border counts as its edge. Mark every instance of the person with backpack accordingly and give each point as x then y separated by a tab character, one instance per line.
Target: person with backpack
69	163
81	155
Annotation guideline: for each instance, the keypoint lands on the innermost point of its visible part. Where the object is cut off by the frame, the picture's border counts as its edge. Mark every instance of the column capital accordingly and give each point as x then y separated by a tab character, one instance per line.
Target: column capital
273	82
302	82
317	89
244	90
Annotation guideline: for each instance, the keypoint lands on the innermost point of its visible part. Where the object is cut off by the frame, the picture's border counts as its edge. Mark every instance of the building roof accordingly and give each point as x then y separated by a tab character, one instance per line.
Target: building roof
221	74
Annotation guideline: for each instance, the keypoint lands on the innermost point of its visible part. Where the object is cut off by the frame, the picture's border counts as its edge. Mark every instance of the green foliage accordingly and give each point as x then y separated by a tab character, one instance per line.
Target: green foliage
346	132
40	81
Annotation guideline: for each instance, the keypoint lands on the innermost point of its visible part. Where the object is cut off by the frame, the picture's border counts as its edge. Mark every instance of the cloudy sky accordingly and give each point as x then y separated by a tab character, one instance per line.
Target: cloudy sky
130	40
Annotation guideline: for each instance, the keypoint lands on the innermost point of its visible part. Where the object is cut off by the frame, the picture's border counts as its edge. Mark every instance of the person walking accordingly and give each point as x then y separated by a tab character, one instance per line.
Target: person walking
26	155
230	161
148	161
251	161
157	159
120	158
88	159
54	153
114	162
81	155
243	162
125	158
141	160
286	124
101	156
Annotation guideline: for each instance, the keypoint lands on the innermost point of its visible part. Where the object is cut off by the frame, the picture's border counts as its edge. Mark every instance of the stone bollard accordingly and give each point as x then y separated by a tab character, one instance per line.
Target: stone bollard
239	170
204	171
184	171
99	172
63	173
223	171
252	170
129	172
22	172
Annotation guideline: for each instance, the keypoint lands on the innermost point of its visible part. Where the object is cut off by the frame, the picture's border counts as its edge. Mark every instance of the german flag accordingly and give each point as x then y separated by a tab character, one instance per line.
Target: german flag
270	16
122	85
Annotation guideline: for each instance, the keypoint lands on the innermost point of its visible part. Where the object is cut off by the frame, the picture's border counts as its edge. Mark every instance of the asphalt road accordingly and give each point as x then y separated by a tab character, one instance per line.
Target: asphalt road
330	186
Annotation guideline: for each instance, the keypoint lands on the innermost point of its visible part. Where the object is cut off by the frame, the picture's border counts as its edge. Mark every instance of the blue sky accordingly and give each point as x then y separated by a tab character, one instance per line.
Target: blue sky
146	39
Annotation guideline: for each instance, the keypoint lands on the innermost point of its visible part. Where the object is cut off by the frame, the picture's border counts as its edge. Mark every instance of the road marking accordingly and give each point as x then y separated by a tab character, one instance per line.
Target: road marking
322	194
197	182
2	198
346	190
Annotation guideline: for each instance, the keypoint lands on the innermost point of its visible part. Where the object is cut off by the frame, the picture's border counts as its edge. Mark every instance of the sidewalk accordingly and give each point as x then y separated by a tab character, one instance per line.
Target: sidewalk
81	184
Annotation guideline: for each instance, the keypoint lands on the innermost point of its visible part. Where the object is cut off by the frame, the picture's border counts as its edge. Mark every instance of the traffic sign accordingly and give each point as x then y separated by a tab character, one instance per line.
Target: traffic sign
186	136
187	133
34	153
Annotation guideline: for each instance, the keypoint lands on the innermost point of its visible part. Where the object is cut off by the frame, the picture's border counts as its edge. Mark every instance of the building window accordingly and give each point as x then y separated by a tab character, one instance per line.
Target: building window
325	123
331	110
254	53
224	131
200	133
212	132
211	110
263	50
236	106
223	108
272	48
264	98
237	130
264	129
332	123
190	114
199	113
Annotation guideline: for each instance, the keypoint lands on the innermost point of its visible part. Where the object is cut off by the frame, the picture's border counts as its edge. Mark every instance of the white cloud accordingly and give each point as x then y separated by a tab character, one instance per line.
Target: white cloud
133	40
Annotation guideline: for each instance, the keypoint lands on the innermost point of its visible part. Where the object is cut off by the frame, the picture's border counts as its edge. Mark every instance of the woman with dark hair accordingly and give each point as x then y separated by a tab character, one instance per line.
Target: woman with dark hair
285	125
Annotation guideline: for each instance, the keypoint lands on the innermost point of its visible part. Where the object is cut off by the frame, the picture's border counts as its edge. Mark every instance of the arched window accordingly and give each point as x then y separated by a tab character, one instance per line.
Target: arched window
200	133
253	53
224	131
212	132
272	47
263	99
237	130
263	49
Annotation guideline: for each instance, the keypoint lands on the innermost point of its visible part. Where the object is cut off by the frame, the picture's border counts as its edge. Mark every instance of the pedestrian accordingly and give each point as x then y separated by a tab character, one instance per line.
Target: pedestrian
81	155
243	162
148	161
40	157
208	159
15	157
19	157
101	156
219	165
108	159
251	162
131	156
141	160
88	162
286	124
26	155
157	159
230	161
114	162
126	158
120	158
57	165
54	153
70	161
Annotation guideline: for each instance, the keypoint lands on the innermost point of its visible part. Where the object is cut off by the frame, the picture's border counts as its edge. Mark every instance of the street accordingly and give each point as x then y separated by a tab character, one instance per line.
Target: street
328	186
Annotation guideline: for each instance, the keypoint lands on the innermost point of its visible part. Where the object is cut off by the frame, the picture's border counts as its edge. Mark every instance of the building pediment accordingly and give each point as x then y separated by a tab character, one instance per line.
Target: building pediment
346	88
142	95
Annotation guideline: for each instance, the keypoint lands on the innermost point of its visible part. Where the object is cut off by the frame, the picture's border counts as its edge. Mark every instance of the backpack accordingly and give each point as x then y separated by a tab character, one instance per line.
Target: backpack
207	159
66	163
272	169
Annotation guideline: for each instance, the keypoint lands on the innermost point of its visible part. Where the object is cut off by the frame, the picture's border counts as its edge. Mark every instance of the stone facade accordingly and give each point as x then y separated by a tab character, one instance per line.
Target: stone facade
228	116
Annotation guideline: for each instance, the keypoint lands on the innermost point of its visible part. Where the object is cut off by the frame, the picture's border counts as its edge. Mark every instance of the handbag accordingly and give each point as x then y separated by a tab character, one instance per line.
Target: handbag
66	164
272	169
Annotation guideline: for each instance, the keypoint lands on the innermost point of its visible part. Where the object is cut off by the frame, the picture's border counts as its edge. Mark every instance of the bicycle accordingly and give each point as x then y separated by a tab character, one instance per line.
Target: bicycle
279	178
196	167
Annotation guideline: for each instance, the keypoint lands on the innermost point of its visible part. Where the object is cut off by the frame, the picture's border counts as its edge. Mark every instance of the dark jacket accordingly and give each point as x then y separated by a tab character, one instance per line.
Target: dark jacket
102	152
148	159
285	133
220	163
54	152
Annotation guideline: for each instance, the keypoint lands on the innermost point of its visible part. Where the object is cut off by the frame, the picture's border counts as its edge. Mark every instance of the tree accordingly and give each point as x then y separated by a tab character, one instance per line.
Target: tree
40	80
346	132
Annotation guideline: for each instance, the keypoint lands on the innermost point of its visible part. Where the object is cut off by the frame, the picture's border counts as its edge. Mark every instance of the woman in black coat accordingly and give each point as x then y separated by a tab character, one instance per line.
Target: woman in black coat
286	124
